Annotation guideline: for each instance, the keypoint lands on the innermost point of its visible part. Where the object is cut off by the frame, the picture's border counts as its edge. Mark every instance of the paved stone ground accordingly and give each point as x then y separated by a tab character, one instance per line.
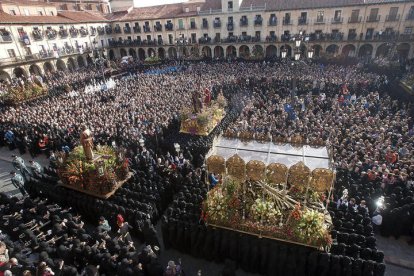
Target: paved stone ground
399	256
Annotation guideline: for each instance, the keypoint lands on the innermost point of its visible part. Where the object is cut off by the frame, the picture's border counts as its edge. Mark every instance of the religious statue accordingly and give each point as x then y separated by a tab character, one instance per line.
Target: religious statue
86	140
207	96
197	102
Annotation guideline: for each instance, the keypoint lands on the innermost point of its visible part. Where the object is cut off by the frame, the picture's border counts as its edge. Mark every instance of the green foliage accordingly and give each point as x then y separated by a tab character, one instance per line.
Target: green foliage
152	60
202	119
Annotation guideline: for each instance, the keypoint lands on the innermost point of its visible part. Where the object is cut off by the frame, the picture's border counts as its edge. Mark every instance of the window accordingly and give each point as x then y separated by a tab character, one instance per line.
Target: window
170	39
304	15
244	33
393	15
11	53
12	12
180	24
102	43
28	51
373	14
230	5
148	37
187	9
408	30
369	34
286	19
319	16
338	14
393	11
272	20
230	19
26	12
51	13
193	38
257	34
355	15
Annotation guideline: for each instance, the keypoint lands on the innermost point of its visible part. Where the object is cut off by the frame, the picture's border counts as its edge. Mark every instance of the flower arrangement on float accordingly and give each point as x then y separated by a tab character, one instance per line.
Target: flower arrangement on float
99	176
228	205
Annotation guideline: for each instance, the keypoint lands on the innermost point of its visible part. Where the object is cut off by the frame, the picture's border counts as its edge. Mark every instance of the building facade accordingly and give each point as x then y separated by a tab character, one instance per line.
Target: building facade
211	28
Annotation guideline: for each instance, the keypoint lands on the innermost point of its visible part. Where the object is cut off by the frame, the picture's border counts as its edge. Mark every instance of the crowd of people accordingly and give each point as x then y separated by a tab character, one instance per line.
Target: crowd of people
369	134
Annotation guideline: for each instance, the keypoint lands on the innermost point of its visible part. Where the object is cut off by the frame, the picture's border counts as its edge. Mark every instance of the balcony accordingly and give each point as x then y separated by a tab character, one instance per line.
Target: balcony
37	35
392	18
64	51
258	21
352	36
101	31
320	21
137	29
256	39
244	22
230	27
272	21
83	32
337	20
355	19
51	34
230	39
108	30
409	17
373	18
245	38
193	26
127	30
158	28
169	26
286	21
73	32
204	40
147	29
117	30
217	24
63	33
5	38
271	38
303	21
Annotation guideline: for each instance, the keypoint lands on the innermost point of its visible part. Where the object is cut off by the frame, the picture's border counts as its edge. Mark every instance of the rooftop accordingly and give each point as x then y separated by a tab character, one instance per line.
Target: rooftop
157	12
62	17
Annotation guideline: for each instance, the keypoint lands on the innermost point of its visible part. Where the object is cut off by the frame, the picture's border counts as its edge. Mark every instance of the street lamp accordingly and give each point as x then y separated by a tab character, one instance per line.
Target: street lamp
177	147
141	142
284	53
298	41
310	53
297	55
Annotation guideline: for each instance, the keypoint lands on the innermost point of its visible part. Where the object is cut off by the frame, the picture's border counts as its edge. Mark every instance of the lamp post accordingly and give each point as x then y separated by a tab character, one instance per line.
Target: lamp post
299	39
310	53
284	52
101	62
297	55
177	148
141	142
